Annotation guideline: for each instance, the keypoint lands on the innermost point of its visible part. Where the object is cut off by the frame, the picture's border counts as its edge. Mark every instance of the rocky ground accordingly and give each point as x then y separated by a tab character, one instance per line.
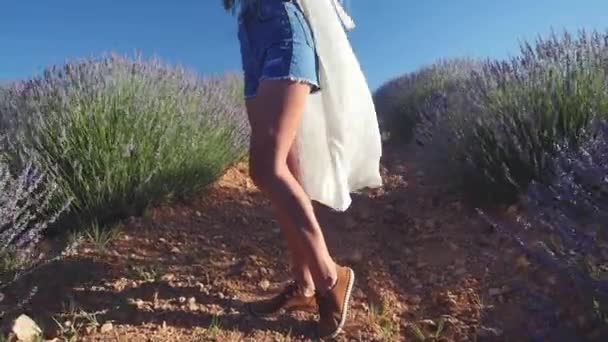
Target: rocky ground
428	269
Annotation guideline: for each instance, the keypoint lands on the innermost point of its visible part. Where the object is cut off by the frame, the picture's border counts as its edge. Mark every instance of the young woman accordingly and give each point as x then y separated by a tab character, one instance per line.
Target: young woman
299	150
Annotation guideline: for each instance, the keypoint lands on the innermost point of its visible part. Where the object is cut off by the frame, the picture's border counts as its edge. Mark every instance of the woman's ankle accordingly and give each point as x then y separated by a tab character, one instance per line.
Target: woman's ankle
306	287
329	281
307	290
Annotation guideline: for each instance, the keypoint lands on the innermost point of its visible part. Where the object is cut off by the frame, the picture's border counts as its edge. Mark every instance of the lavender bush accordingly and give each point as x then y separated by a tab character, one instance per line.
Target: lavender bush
504	122
401	101
562	226
573	210
26	210
123	133
533	129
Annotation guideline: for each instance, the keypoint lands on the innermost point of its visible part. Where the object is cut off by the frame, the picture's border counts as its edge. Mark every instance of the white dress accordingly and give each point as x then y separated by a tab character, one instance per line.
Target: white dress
339	140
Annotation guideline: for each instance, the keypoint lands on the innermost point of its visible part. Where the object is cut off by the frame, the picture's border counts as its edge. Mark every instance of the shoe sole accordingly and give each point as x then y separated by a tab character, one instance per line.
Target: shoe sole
347	296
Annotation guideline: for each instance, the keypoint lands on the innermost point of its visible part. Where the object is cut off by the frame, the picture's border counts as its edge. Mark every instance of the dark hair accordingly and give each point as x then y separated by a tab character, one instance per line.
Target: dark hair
230	5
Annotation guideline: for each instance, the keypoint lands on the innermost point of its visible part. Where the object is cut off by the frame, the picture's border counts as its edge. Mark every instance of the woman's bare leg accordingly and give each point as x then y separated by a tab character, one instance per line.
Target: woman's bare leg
300	270
275	115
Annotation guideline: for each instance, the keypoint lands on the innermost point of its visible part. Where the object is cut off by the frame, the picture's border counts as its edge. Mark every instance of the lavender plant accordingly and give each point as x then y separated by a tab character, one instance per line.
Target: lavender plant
505	121
26	210
123	133
573	211
401	101
562	227
534	129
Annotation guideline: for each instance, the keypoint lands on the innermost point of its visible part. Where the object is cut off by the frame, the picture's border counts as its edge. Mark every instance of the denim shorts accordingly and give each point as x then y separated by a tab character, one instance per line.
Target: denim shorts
276	43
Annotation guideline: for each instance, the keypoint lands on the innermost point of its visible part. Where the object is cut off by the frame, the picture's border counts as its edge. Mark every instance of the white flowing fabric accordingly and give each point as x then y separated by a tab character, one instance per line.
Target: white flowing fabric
339	140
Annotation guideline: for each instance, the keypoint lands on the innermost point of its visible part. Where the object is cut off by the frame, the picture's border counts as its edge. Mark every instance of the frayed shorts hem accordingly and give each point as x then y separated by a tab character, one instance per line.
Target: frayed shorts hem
314	85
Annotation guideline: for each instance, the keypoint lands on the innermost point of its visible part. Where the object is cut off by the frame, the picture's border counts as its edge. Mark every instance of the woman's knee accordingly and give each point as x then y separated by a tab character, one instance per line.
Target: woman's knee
265	170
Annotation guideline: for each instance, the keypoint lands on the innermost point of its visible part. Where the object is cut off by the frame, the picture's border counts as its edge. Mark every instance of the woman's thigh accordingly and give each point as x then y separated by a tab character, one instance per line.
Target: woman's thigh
275	115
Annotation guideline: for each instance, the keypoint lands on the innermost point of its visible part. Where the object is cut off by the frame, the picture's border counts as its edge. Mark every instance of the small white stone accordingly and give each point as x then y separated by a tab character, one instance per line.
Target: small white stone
26	329
107	327
264	284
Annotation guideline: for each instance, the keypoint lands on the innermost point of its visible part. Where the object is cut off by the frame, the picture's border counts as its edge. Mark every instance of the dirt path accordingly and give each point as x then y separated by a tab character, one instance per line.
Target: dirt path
425	264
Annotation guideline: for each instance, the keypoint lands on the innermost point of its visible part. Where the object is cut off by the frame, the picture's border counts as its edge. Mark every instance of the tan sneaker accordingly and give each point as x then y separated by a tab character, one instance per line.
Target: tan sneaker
333	305
290	299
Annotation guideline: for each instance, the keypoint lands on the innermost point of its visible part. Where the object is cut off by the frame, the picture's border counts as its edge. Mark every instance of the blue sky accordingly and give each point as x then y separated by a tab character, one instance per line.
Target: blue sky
393	36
